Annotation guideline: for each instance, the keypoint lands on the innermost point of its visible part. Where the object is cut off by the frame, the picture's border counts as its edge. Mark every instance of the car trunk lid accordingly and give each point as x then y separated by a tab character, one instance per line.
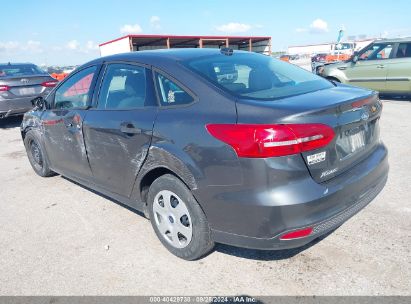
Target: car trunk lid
26	86
352	113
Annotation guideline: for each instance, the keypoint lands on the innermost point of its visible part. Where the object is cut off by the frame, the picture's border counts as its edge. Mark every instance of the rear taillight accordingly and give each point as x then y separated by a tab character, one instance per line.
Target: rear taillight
4	88
49	84
296	234
272	140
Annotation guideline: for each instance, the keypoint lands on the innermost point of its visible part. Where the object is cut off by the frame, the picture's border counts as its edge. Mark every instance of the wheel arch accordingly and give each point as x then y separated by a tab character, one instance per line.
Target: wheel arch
150	177
160	162
30	122
333	78
24	131
33	123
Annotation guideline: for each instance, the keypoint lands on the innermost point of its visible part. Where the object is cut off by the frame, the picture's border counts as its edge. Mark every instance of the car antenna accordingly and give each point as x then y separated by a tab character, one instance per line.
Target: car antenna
226	51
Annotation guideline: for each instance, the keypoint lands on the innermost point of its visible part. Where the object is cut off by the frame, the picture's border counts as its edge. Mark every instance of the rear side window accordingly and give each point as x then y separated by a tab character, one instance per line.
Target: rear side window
20	70
75	91
255	76
171	93
404	50
124	87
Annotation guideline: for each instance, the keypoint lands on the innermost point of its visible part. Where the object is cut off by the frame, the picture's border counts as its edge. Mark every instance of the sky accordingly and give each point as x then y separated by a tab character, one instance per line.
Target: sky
68	32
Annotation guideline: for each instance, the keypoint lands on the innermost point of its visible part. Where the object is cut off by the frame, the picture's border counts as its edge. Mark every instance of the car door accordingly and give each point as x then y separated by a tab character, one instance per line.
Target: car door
371	69
63	135
399	70
118	128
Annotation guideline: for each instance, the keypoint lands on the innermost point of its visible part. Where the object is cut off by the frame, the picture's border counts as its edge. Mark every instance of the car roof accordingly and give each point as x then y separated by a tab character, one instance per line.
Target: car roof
16	63
394	40
151	56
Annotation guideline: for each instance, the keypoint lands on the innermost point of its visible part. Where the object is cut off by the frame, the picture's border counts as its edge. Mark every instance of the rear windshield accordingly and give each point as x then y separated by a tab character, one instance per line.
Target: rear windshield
20	70
250	75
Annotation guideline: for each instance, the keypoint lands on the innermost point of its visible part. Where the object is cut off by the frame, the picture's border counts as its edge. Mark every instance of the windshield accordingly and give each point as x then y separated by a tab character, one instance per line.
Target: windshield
250	75
20	70
344	46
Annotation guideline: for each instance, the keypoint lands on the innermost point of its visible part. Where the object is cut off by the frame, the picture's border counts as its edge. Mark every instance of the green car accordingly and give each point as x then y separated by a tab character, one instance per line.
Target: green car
384	66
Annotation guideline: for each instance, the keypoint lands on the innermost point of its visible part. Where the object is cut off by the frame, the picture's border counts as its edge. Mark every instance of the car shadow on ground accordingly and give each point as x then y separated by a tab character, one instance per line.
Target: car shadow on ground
245	253
105	196
10	122
267	255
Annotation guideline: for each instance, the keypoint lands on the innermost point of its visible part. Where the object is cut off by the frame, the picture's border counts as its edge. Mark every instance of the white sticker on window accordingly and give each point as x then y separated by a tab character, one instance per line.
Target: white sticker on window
170	96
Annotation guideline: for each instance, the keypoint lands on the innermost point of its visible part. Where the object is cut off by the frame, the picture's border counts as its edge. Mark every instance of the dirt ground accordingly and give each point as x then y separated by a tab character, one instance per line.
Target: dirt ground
58	238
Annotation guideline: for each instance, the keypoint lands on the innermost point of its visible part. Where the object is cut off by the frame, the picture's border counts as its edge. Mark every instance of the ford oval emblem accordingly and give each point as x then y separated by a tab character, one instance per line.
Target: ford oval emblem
365	116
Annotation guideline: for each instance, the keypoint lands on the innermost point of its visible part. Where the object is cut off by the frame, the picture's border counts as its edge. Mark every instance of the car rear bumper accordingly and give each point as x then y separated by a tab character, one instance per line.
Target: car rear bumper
15	106
302	204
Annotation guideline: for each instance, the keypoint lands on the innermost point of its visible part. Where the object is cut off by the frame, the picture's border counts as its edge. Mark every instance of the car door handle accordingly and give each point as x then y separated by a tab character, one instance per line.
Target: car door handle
129	129
381	66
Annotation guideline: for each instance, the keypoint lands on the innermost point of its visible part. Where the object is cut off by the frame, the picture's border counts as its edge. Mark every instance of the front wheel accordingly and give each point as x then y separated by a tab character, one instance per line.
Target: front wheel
177	218
36	154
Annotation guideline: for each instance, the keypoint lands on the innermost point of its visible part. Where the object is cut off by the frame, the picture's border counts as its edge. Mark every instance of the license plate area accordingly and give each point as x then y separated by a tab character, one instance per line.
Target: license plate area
27	91
354	140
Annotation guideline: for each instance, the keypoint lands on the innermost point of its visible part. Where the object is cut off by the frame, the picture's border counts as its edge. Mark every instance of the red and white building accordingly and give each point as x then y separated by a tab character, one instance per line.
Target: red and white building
133	43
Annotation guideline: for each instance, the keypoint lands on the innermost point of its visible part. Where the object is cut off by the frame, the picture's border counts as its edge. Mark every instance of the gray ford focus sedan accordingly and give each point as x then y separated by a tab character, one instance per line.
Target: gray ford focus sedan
214	145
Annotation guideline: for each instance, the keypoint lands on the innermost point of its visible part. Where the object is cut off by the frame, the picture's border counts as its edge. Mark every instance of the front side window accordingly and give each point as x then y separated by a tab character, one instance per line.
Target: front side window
250	75
123	87
376	52
404	50
75	91
171	93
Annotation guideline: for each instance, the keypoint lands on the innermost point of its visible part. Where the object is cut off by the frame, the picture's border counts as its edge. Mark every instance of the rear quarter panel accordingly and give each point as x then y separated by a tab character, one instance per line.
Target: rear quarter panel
399	76
181	142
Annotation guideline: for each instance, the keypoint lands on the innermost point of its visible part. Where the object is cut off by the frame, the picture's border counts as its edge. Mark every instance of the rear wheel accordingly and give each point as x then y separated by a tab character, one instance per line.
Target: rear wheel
36	155
177	219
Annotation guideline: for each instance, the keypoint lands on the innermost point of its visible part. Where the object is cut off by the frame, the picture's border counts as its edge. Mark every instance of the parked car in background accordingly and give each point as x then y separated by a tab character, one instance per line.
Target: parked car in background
59	76
321	57
285	58
384	65
214	146
319	60
19	84
294	57
338	52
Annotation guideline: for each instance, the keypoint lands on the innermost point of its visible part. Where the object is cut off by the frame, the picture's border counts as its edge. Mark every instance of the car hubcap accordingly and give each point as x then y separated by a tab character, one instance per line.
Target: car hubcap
172	219
35	152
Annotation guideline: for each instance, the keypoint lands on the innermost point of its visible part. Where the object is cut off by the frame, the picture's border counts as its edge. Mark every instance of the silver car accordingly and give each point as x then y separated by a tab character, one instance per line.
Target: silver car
19	84
384	66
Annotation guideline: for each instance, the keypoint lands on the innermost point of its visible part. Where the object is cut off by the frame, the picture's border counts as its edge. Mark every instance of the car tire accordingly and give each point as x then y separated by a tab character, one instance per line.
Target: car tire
177	218
36	154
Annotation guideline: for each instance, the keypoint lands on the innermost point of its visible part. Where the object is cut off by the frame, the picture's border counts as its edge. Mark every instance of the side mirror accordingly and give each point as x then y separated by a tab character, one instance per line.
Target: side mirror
39	103
355	57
